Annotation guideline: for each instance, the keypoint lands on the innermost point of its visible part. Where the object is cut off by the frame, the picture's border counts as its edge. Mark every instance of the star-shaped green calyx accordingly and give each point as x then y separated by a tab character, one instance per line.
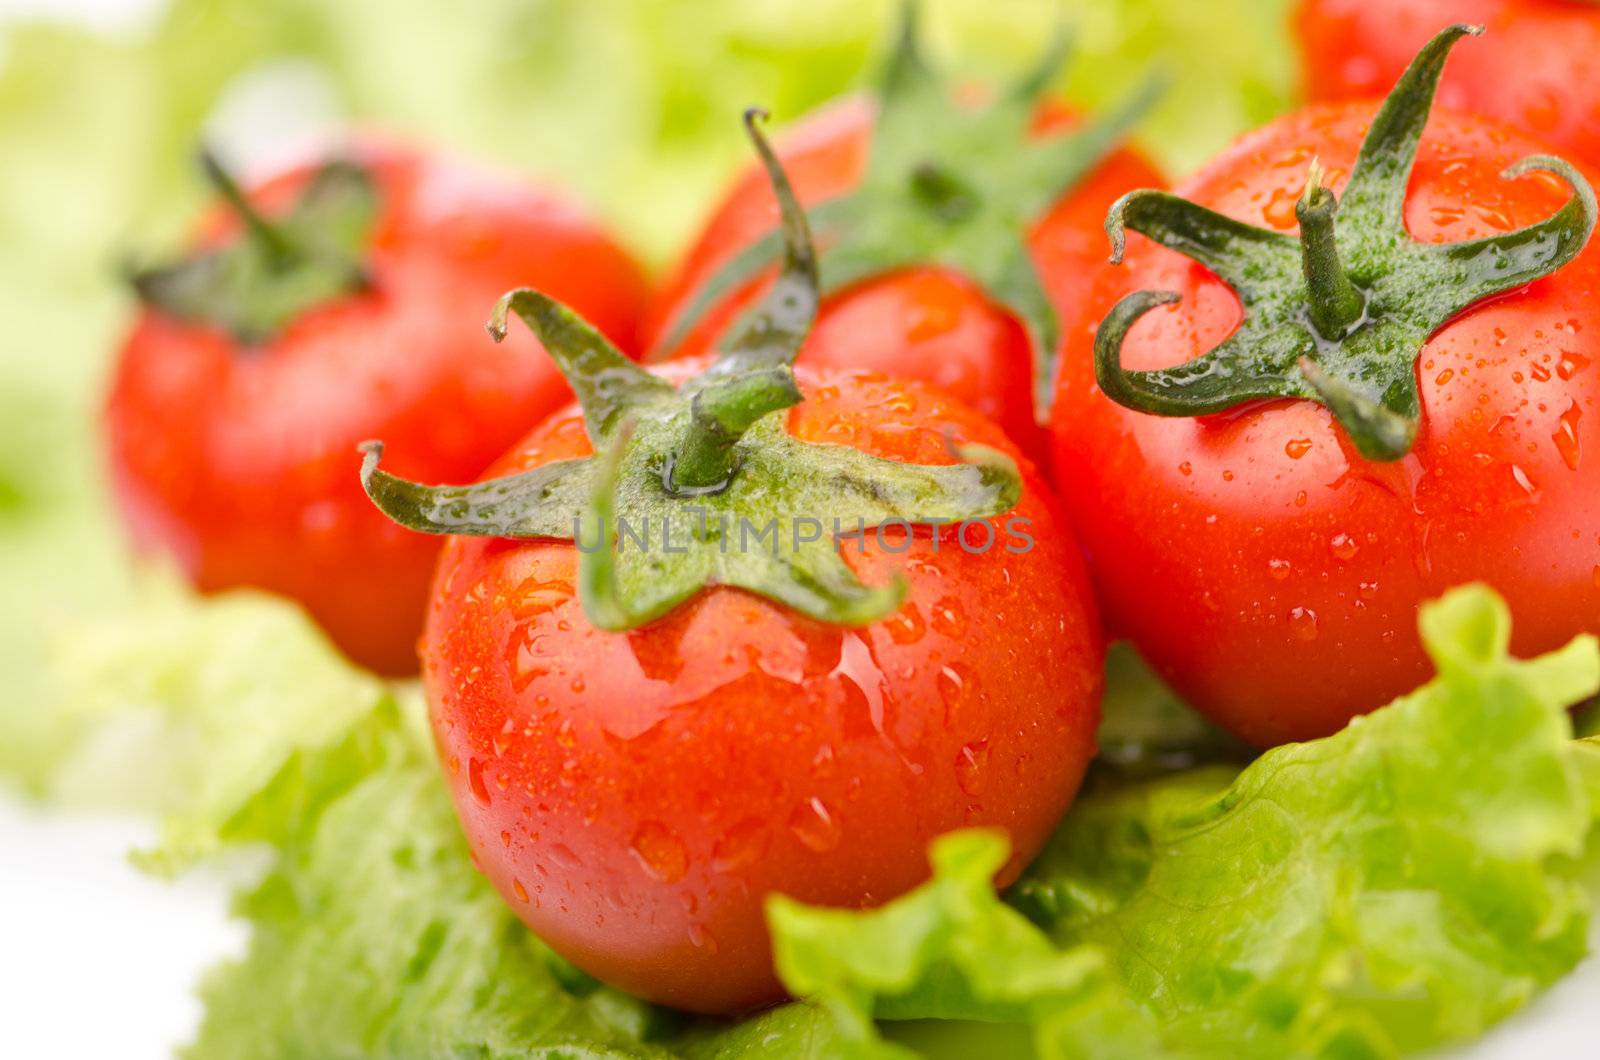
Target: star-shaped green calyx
1339	314
946	184
702	485
255	285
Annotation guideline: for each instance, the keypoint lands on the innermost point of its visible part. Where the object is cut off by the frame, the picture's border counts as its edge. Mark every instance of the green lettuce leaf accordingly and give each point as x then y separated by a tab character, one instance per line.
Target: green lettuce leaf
1146	730
372	935
1404	883
949	950
1586	753
190	710
1401	884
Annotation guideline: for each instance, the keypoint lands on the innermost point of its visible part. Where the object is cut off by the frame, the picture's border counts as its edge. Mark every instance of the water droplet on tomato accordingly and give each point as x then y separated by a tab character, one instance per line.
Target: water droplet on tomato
1367	590
660	851
1524	483
1279	210
522	655
1303	623
1571	364
505	839
1297	447
905	626
1539	372
822	762
900	403
972	767
1566	436
948	617
1278	568
1343	546
952	690
1186	469
502	739
535	597
739	846
701	937
480	790
1494	216
815	825
520	891
1445	216
859	671
1444	377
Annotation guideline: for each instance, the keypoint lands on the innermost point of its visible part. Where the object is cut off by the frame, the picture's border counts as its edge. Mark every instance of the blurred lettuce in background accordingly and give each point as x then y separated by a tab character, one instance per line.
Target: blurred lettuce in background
628	104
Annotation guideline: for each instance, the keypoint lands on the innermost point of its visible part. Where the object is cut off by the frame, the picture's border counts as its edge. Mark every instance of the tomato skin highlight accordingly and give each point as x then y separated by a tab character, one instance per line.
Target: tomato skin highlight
1536	72
1264	567
635	795
928	322
242	462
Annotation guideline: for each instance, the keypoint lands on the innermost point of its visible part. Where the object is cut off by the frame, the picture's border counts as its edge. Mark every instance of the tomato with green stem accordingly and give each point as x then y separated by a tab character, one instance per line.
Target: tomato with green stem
1276	445
1540	77
953	230
331	304
757	645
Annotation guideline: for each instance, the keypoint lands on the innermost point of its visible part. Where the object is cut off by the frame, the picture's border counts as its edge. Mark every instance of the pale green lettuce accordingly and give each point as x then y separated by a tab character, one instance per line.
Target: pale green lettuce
1404	883
372	935
193	711
1401	884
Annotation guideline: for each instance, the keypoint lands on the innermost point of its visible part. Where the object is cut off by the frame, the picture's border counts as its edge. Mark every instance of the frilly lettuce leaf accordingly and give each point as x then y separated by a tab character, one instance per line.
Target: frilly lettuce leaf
372	935
949	950
191	711
1586	753
1403	883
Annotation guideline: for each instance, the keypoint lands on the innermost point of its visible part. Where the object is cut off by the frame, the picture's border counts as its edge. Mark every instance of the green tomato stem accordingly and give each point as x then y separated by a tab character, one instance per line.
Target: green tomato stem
1335	303
719	415
272	238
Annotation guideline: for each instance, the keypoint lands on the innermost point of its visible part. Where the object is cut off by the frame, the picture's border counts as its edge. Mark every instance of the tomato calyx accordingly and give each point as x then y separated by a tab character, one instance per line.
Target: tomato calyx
255	285
1338	315
946	184
702	485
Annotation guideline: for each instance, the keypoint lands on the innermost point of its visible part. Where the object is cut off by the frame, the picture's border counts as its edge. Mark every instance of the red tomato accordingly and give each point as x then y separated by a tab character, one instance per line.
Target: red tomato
1269	571
929	322
1541	75
635	795
242	462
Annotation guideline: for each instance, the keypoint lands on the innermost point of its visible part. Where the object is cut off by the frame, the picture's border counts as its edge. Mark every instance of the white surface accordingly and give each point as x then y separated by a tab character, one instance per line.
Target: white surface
97	960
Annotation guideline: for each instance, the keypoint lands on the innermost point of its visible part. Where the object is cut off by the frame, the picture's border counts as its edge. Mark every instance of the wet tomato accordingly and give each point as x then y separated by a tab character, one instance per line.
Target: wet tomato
1539	77
931	322
238	456
1261	561
634	795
